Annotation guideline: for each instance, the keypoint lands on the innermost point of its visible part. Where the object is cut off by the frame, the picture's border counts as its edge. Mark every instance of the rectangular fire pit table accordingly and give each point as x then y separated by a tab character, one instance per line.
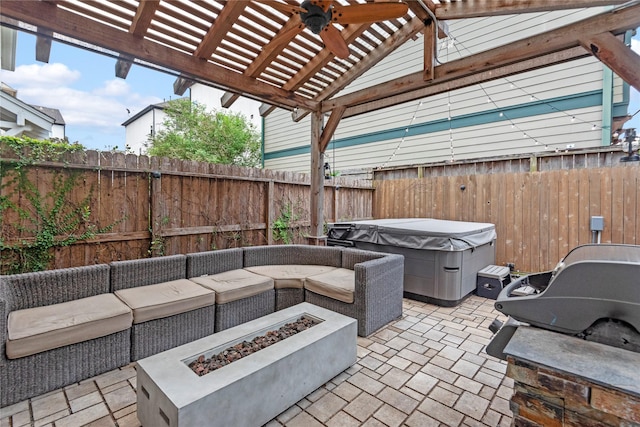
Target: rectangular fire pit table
251	390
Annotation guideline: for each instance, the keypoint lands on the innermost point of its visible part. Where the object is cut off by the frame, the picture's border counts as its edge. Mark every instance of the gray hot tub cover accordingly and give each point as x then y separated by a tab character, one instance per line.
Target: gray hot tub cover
416	233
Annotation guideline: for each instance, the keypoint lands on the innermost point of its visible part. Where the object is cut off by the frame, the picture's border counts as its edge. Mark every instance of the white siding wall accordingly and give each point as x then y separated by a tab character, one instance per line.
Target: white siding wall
137	132
57	131
210	97
546	127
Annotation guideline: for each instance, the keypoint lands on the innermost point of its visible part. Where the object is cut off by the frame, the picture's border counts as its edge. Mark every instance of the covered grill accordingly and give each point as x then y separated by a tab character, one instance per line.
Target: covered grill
442	258
593	293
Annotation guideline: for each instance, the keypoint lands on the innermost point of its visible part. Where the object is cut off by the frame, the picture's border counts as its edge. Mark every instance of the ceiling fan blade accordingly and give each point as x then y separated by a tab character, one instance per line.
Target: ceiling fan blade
334	42
368	12
287	9
286	34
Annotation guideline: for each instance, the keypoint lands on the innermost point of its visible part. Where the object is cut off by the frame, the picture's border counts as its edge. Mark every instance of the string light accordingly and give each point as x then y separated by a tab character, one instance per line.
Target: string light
404	135
453	159
532	97
452	43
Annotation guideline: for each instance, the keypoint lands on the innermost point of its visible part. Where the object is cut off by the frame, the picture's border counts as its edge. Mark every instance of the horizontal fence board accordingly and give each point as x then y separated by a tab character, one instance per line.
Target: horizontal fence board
539	216
159	206
542	206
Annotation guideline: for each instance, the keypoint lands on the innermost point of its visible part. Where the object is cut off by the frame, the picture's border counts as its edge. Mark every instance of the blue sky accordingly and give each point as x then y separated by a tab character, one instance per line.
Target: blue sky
94	103
83	86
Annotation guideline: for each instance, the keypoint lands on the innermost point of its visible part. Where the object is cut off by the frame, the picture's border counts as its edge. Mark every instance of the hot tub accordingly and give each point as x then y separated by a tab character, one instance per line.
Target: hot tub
441	258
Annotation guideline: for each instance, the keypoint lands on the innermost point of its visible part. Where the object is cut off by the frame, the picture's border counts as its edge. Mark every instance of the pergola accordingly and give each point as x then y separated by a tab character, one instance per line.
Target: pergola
256	49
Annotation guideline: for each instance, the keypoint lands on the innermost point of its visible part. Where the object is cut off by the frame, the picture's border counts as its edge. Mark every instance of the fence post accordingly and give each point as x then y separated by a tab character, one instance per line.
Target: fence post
157	213
271	215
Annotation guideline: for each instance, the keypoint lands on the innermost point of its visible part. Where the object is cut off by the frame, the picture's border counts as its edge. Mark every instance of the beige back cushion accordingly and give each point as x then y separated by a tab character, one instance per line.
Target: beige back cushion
34	330
338	284
165	299
235	284
289	276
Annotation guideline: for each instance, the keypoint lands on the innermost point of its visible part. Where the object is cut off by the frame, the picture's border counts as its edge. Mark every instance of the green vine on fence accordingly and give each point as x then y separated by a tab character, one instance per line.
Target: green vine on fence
282	227
29	151
41	222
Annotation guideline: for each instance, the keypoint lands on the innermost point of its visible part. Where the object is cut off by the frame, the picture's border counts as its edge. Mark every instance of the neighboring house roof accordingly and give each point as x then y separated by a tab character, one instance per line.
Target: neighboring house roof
54	113
19	118
159	106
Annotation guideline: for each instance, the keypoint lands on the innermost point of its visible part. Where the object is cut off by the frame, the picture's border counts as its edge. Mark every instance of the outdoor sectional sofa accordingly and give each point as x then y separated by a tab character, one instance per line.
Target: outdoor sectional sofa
60	327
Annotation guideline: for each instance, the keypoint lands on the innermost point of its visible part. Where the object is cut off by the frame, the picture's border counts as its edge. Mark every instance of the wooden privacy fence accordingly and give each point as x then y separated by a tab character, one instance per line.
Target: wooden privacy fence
539	215
541	206
165	206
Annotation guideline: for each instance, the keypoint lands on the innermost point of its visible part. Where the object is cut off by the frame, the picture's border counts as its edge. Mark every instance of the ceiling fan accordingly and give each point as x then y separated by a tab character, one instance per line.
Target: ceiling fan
320	15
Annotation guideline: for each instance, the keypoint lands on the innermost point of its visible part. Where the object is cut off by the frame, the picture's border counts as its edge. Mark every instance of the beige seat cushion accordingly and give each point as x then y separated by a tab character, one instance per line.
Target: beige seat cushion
289	276
338	284
38	329
165	299
235	284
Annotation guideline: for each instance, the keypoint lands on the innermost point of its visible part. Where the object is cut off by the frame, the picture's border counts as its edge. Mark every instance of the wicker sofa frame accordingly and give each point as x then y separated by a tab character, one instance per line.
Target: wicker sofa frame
377	301
42	372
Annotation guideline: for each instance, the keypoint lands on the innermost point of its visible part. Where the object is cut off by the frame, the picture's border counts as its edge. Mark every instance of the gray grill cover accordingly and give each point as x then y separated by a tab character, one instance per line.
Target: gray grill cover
416	233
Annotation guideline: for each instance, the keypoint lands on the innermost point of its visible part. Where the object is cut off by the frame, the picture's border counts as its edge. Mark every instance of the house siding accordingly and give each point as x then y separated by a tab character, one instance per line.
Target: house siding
138	131
556	107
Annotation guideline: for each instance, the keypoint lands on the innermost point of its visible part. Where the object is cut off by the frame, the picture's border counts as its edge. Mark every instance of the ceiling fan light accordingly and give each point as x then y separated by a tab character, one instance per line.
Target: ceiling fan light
315	18
315	24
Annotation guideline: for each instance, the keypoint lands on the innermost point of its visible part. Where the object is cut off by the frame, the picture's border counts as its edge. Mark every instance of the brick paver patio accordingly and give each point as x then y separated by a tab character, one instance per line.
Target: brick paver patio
426	369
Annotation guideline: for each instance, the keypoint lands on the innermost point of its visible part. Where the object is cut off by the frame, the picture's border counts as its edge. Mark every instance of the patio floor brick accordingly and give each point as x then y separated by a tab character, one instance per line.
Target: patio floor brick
426	369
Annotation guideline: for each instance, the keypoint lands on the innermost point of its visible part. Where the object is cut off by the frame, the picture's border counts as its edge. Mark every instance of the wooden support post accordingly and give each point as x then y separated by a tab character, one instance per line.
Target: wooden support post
271	212
429	50
317	237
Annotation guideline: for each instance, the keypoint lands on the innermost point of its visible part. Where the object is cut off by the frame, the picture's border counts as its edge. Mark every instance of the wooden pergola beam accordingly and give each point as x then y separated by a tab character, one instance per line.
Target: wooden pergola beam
615	55
396	40
262	61
79	27
424	16
436	87
139	27
430	51
330	128
350	33
123	65
319	61
144	14
475	9
561	39
43	45
181	84
223	23
266	109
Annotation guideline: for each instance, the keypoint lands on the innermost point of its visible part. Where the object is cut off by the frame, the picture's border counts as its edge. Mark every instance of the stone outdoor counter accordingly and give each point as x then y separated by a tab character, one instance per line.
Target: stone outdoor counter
565	381
254	389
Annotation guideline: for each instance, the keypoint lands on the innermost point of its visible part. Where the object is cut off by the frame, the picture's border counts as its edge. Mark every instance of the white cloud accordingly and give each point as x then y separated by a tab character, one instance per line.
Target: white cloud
52	85
40	75
116	87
